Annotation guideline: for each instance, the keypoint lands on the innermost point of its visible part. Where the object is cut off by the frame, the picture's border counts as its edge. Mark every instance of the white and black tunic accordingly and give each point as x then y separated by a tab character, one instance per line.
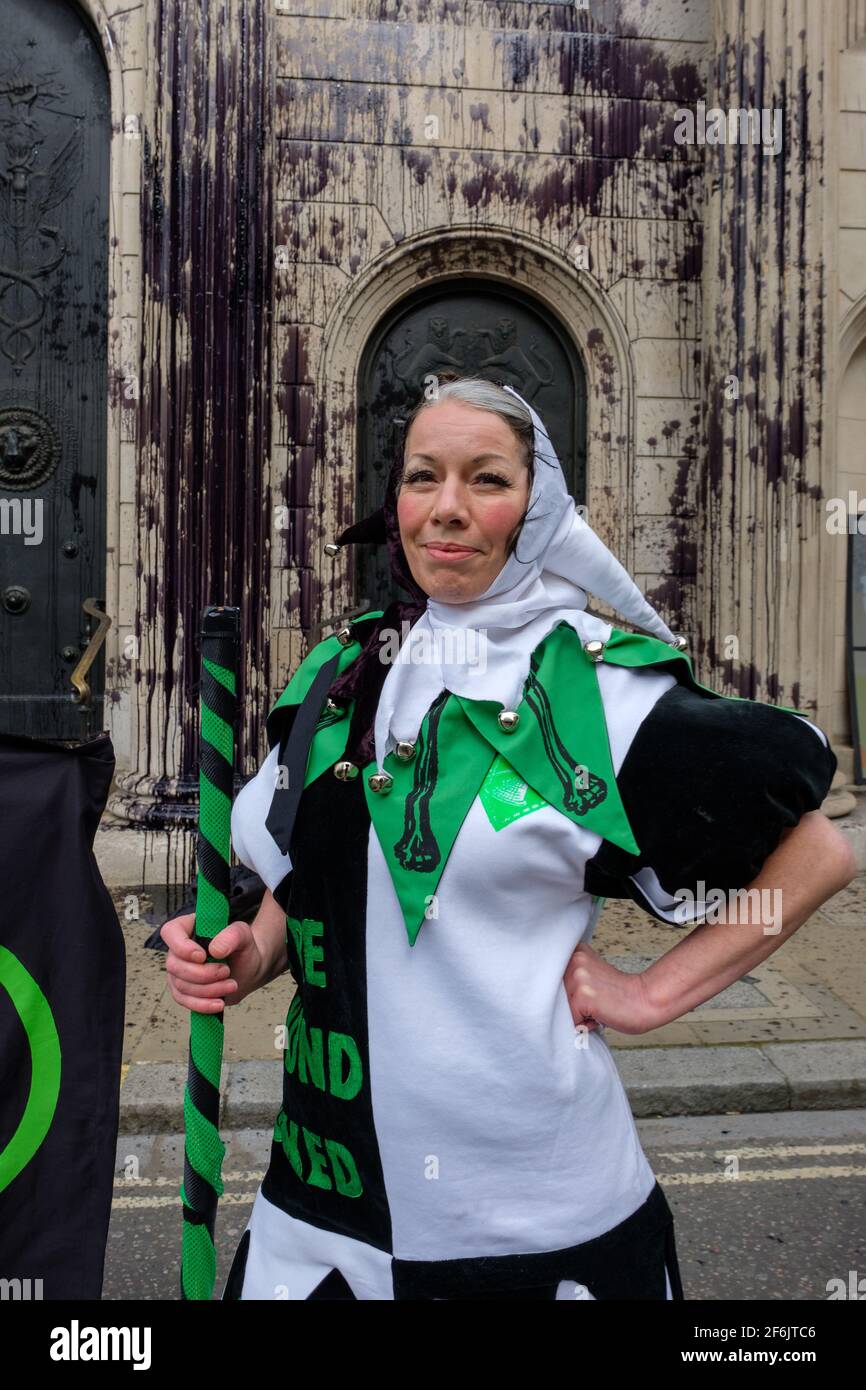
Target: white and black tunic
445	1131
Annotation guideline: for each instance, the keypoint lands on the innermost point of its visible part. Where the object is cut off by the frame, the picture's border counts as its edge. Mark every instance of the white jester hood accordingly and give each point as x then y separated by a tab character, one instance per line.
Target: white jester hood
482	649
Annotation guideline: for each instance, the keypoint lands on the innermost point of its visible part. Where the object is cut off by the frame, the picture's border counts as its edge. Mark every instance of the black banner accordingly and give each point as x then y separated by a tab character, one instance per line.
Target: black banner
62	986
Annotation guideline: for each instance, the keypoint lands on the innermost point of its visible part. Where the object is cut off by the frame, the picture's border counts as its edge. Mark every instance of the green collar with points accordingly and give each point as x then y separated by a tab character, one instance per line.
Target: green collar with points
635	649
418	820
559	747
307	671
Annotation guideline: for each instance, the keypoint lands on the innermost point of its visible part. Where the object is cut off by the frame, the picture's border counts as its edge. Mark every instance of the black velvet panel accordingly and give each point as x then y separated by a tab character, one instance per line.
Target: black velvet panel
294	751
708	786
328	886
627	1262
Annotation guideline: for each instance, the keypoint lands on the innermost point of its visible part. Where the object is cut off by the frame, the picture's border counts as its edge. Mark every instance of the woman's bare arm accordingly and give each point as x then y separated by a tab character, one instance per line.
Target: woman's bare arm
813	861
269	929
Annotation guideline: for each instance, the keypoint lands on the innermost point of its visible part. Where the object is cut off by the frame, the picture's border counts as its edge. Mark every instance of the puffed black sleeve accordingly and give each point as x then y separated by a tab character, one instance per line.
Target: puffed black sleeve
708	784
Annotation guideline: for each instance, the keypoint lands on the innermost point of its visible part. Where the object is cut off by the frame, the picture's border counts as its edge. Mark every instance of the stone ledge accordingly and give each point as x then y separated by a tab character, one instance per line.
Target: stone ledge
659	1081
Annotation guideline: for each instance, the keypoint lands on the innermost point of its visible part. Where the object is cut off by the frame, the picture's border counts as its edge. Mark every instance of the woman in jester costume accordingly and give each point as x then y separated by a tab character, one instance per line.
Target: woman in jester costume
453	788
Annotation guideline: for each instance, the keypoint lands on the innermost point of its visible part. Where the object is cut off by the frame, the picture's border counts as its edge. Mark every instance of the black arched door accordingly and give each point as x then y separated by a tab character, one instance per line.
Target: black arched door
55	128
471	327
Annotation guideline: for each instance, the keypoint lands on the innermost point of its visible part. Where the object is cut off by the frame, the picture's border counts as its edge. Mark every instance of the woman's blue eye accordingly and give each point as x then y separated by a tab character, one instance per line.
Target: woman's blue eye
493	478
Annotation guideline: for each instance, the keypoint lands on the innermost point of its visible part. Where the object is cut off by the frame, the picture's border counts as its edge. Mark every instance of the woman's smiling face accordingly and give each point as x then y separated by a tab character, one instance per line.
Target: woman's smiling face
462	497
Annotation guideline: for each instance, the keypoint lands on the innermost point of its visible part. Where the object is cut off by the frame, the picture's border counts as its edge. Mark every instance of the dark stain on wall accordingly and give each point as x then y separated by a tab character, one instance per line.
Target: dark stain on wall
204	417
615	158
765	329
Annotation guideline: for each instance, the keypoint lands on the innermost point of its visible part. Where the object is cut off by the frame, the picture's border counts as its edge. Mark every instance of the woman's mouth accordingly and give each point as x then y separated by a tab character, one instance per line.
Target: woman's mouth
449	552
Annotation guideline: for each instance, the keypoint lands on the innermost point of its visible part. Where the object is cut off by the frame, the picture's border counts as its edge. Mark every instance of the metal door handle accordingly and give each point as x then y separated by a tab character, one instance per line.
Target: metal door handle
82	693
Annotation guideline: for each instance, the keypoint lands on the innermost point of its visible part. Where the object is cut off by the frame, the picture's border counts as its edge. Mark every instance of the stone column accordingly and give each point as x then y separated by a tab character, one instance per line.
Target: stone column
768	340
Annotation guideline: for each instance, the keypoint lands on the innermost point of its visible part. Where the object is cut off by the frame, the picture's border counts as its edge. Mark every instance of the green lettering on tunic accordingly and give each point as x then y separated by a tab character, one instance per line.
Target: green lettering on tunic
318	1177
345	1171
304	1055
308	951
287	1133
346	1178
310	1056
340	1045
313	953
294	1024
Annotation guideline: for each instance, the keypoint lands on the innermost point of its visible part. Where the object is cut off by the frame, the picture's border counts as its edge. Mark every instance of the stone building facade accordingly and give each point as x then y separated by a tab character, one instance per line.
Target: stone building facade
309	205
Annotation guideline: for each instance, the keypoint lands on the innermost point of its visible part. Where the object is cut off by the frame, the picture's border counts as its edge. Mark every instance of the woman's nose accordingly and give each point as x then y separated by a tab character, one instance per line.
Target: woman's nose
450	502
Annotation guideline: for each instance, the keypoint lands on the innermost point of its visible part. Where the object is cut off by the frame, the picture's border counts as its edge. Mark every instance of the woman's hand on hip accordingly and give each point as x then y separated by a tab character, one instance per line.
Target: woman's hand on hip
600	994
207	987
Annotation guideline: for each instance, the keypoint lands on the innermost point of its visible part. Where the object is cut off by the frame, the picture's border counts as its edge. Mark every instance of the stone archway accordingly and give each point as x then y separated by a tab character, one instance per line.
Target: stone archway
504	260
477	328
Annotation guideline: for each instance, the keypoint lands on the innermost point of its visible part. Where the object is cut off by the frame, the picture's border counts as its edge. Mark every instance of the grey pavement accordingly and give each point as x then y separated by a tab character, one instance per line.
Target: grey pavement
766	1207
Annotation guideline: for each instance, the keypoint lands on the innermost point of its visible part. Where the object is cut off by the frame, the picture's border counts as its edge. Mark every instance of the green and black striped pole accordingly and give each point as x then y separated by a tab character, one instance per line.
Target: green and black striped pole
203	1154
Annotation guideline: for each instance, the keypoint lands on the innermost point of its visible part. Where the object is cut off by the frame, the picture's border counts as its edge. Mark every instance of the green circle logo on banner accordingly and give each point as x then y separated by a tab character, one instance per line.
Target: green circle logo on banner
35	1014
